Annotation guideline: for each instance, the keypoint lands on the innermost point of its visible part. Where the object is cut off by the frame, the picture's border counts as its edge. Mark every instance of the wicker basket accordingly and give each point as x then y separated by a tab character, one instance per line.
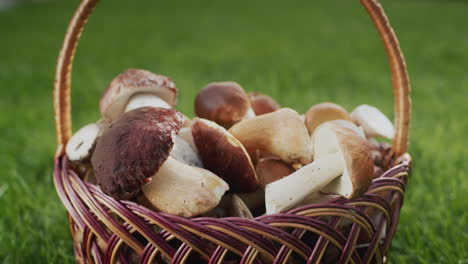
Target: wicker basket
357	231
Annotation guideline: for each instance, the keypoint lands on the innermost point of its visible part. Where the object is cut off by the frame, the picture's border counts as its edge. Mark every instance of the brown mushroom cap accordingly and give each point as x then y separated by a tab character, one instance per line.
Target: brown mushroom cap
281	133
224	155
132	82
320	113
225	103
271	169
262	103
133	148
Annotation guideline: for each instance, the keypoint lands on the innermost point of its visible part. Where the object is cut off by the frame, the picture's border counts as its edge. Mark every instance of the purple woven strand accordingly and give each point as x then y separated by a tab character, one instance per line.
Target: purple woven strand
273	231
95	203
135	221
174	229
80	207
350	245
254	238
321	242
59	186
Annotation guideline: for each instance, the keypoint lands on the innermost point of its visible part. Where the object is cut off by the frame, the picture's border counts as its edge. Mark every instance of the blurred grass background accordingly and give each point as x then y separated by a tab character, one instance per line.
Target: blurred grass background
300	52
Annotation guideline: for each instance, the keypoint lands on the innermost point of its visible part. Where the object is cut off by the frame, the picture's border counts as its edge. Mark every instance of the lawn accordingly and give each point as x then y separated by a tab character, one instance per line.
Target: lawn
301	53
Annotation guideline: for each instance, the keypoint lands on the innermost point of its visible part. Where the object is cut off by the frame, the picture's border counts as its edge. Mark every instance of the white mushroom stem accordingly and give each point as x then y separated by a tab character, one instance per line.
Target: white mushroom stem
184	190
283	194
249	114
183	152
145	99
186	134
81	144
373	121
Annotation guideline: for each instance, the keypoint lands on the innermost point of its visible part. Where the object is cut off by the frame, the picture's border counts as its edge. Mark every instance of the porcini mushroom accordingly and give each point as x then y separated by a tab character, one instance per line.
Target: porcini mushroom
281	133
323	112
343	165
82	143
262	103
224	155
373	121
133	148
225	103
271	169
137	88
183	190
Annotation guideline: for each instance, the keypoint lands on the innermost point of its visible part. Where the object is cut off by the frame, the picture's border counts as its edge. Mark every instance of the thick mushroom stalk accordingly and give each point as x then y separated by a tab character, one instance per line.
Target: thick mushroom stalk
145	99
183	190
281	133
338	151
373	121
183	152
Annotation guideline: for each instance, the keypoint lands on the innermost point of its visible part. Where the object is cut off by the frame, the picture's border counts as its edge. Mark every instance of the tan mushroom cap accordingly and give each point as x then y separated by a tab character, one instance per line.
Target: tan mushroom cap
281	133
272	169
262	103
224	155
132	82
133	148
323	112
224	103
358	170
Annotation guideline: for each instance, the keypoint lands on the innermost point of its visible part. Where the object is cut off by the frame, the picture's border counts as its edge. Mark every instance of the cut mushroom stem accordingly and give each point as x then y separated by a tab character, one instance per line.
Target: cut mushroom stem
184	190
289	191
82	143
146	99
343	165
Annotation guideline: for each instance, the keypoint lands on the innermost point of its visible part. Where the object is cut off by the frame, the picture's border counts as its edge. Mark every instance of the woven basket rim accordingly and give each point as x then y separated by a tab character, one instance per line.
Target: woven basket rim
100	238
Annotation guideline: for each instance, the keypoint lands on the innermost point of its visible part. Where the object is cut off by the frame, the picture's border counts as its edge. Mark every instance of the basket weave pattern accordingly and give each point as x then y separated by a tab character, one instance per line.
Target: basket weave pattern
356	231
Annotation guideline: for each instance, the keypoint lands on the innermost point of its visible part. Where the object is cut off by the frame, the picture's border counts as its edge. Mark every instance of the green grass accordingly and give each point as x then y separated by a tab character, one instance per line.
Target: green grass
301	53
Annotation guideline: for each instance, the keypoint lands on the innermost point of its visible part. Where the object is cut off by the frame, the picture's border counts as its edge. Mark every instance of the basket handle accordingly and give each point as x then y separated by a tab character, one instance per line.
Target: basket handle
400	79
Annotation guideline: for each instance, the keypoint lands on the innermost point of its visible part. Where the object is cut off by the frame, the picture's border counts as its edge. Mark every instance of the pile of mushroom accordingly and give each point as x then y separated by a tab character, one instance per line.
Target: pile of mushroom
243	155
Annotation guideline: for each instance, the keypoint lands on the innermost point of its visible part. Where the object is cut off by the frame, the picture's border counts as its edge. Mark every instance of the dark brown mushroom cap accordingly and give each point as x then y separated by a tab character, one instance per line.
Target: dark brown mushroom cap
262	103
133	148
224	155
133	81
225	103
